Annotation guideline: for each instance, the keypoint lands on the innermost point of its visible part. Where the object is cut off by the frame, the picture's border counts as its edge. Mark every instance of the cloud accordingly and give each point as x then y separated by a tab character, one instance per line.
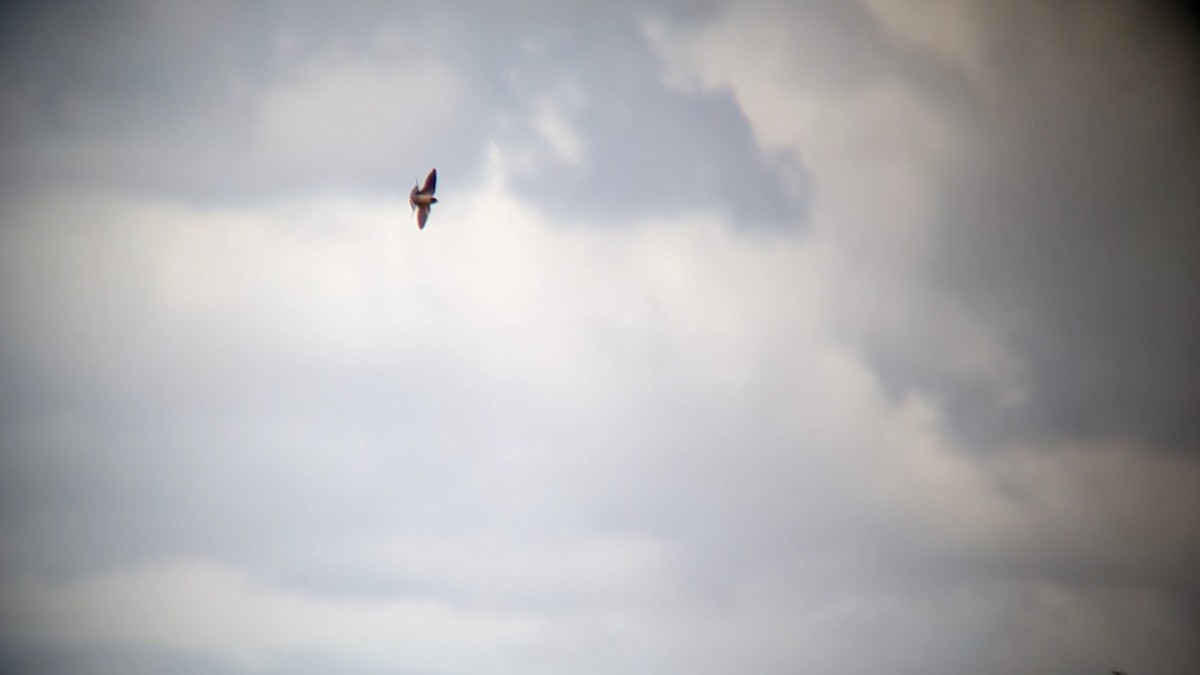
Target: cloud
564	142
592	418
1072	253
510	377
1031	208
304	100
347	113
195	606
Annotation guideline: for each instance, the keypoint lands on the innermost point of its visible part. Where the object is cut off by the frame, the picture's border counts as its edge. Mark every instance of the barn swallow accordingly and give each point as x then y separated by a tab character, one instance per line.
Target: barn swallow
422	199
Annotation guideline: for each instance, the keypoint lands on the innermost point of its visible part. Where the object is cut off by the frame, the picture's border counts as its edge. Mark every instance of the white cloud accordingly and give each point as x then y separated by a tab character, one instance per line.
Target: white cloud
225	613
535	444
574	374
880	148
588	325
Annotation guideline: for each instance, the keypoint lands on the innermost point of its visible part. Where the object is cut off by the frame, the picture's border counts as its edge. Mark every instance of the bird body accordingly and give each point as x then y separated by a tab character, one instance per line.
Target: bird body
421	199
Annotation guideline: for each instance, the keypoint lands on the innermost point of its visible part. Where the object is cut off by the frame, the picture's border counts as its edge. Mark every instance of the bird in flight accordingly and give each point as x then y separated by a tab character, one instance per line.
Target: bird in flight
421	199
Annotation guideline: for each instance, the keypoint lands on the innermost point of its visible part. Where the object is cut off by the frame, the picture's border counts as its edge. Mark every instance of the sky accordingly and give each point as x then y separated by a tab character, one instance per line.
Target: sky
836	337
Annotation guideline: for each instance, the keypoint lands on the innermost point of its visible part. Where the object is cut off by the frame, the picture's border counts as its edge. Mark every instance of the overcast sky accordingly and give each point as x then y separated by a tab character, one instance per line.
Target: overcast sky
825	337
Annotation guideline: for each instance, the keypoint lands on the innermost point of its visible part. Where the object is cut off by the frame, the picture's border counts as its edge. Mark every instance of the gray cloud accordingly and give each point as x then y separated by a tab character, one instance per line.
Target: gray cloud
251	420
1070	236
139	96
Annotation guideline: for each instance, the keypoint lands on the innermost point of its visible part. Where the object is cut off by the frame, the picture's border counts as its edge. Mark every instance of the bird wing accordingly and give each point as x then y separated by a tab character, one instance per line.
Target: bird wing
422	216
430	183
